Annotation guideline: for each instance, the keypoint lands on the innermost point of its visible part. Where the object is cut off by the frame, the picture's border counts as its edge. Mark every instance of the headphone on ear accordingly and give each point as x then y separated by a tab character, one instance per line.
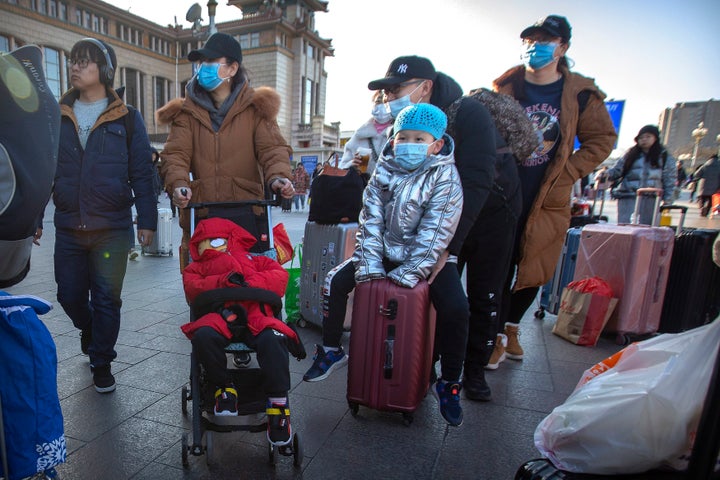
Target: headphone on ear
107	71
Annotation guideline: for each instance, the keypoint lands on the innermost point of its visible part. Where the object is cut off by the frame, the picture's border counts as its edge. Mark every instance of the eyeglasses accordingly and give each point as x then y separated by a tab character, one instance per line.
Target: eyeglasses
80	62
396	88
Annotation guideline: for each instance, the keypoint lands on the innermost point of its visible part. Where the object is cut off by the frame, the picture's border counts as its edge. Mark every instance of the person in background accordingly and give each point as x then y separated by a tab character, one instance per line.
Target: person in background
301	183
411	211
225	133
708	178
100	174
646	165
681	178
371	135
563	105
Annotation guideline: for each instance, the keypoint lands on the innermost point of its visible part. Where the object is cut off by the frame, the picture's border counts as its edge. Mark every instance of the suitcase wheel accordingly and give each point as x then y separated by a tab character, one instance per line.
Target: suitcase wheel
354	408
540	313
408	418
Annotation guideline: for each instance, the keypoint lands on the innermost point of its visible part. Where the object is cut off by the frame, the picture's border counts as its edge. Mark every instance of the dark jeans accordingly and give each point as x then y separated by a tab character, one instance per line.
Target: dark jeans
89	272
705	202
272	356
486	253
447	296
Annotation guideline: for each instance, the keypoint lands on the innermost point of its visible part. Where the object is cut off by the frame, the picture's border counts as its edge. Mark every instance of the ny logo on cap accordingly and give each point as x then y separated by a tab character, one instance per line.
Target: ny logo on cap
402	68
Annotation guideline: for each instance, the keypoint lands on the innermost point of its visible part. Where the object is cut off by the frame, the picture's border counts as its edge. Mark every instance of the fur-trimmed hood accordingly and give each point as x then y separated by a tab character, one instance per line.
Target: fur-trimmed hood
265	100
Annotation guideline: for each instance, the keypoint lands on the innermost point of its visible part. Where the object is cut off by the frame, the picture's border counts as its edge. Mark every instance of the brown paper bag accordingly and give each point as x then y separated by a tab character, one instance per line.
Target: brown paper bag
582	316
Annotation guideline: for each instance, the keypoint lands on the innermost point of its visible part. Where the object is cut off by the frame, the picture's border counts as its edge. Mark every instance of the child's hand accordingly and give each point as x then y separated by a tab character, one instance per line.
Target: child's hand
237	279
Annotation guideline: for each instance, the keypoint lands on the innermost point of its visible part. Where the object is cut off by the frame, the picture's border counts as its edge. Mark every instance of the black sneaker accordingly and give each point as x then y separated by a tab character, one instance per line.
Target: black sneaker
85	339
103	379
279	431
226	402
475	386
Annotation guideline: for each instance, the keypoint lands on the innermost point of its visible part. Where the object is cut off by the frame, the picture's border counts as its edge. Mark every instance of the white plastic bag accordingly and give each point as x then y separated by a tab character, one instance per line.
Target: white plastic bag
640	413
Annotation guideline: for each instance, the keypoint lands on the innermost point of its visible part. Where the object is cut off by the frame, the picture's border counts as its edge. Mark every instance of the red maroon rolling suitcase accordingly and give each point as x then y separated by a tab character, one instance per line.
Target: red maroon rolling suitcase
391	347
635	261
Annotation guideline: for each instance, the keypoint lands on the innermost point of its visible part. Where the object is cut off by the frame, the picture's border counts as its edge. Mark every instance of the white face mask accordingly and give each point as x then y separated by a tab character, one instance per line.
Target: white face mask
381	114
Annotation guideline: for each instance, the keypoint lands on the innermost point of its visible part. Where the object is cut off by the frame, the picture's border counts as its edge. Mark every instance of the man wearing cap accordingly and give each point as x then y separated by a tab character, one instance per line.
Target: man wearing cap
491	191
562	105
224	133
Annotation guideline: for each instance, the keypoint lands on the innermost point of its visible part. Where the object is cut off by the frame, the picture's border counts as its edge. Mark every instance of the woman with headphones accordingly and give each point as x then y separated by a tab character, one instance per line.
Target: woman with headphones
102	169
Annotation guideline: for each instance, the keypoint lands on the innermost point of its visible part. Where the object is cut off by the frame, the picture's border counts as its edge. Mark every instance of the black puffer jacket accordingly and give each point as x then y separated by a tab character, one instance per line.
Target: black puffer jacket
489	180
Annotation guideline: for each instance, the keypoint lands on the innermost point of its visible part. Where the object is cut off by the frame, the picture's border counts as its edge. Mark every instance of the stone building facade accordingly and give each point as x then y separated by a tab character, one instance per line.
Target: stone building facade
281	49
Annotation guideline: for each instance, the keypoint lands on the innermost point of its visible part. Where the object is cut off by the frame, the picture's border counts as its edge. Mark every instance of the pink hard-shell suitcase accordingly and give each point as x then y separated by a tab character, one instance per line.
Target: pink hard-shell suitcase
635	261
391	347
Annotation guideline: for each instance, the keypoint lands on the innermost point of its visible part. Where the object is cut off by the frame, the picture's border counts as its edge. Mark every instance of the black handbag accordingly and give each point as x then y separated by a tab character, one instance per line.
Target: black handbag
336	195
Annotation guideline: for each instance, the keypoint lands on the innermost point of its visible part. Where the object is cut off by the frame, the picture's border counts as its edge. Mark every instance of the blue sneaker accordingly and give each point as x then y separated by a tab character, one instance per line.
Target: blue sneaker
324	363
448	395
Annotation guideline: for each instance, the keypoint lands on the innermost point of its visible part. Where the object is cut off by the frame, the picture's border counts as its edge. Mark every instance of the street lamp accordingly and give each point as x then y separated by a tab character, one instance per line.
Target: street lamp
698	134
212	5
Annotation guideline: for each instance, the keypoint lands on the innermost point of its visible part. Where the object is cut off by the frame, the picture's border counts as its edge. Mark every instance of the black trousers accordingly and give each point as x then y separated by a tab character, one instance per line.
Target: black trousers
486	254
447	296
272	356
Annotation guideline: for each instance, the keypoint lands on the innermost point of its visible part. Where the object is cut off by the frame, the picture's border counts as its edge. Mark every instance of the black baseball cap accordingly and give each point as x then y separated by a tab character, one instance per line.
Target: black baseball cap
218	45
554	25
404	68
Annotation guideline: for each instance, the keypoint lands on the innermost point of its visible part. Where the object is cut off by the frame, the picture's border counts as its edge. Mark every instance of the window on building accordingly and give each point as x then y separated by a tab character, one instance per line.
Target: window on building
78	17
39	6
134	93
307	101
52	8
52	71
95	23
4	44
62	11
86	19
160	92
103	25
249	40
310	51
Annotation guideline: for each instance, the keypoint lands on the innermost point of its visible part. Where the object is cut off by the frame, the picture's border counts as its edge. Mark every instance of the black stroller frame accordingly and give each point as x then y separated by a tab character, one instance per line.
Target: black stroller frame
251	400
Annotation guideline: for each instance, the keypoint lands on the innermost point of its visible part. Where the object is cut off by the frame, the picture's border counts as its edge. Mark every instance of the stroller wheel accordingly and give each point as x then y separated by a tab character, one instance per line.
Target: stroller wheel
272	454
241	359
298	452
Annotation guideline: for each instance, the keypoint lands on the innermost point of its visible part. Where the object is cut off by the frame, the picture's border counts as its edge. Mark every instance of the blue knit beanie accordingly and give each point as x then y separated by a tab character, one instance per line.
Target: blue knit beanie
424	117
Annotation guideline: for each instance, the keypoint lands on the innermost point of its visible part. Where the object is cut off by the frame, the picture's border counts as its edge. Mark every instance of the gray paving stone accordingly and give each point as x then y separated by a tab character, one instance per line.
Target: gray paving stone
163	373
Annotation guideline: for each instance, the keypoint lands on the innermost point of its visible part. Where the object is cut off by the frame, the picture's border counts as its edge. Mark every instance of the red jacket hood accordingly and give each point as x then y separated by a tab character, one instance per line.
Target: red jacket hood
238	239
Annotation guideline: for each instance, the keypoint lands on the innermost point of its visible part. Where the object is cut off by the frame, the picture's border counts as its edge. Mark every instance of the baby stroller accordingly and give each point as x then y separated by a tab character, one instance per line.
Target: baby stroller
251	401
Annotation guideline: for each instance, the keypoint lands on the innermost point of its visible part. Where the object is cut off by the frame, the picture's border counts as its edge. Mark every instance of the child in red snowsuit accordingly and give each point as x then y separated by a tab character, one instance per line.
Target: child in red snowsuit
220	252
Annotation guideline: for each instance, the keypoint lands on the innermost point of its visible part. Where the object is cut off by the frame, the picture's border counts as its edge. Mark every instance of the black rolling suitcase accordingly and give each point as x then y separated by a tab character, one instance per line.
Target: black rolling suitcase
702	463
692	297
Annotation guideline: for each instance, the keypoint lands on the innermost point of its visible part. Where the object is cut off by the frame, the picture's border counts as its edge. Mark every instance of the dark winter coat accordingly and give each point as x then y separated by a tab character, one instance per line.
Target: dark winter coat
94	186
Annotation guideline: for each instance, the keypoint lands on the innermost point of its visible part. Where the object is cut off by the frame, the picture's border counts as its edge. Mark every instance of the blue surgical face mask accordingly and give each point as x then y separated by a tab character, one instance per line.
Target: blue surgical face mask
537	55
399	103
410	155
207	76
381	114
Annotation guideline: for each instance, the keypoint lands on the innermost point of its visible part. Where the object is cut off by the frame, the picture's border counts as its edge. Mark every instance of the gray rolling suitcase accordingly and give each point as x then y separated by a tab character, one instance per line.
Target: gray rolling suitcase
324	247
161	245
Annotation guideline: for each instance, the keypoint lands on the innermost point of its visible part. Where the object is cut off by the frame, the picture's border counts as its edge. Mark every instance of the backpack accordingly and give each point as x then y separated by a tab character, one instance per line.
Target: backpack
510	119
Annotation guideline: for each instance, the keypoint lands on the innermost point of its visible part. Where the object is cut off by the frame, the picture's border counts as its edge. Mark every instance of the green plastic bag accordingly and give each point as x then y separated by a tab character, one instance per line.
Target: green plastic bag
292	292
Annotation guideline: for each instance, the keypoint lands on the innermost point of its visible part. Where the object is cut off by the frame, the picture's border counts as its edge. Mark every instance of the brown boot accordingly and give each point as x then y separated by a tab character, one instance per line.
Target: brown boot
498	354
513	350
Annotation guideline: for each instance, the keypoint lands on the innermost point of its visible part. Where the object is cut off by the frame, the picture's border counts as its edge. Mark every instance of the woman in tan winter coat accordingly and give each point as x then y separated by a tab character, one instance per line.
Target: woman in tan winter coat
563	105
225	133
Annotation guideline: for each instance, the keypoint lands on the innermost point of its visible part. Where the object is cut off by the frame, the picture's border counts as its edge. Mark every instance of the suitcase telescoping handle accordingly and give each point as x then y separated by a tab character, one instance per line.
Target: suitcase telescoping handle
647	192
683	211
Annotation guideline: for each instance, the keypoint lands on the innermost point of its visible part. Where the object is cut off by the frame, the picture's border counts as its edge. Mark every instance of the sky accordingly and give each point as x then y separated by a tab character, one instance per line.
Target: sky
650	53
